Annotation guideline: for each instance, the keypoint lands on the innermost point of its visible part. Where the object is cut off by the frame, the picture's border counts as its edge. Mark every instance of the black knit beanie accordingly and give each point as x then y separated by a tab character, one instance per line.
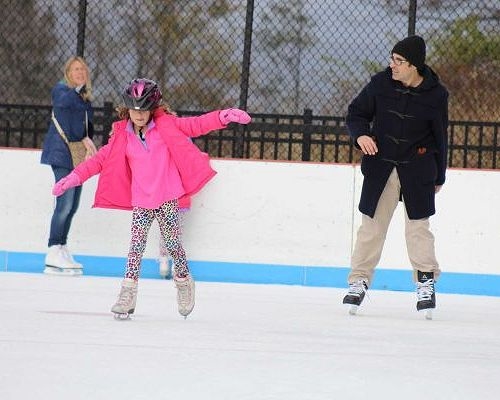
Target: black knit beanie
413	49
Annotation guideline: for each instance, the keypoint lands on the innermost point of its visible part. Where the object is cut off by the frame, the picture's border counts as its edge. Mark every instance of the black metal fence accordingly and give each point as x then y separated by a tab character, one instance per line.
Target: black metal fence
267	56
305	137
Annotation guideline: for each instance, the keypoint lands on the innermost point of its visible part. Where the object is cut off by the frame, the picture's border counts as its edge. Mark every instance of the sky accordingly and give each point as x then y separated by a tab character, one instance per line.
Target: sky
58	340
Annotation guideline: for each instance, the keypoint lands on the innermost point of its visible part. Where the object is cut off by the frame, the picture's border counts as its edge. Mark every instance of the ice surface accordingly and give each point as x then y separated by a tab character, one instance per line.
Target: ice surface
58	340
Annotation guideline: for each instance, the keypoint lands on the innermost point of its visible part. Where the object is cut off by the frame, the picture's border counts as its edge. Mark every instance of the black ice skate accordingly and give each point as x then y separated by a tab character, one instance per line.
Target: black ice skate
426	296
355	295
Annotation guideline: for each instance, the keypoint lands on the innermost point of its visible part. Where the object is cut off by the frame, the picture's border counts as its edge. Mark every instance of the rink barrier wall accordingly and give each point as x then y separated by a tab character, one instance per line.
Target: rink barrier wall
204	271
261	222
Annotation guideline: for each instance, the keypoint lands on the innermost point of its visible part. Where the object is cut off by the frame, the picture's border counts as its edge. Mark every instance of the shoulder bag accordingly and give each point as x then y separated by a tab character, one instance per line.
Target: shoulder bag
77	149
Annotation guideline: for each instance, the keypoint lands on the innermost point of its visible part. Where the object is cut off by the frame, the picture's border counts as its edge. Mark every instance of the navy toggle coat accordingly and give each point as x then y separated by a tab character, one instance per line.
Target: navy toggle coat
409	126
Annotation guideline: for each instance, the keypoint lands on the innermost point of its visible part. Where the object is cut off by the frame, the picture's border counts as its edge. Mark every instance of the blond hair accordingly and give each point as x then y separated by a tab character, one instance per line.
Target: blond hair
87	96
123	111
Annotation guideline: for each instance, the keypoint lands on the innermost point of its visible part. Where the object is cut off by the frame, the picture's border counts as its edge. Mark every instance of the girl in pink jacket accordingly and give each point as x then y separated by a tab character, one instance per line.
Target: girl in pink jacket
146	167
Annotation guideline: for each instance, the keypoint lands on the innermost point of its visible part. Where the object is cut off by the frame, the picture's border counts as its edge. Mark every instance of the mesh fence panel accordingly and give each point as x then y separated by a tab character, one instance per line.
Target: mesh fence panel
268	56
304	53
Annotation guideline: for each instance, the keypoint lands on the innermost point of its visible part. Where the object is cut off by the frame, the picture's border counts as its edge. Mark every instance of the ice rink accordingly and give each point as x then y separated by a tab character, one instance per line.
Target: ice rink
58	340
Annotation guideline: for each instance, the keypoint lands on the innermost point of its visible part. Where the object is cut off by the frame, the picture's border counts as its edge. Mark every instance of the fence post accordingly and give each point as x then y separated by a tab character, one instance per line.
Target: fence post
107	121
306	139
245	75
247	47
80	39
412	17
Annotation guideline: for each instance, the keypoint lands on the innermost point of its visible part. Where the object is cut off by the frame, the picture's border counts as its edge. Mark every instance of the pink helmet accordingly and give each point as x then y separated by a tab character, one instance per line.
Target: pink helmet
142	94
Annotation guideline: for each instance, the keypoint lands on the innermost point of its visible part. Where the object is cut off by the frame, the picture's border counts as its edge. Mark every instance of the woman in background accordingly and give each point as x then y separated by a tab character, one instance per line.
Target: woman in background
72	113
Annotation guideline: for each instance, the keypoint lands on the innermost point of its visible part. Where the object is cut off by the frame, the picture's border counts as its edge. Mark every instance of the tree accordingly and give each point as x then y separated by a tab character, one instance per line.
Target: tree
284	37
186	46
468	61
26	71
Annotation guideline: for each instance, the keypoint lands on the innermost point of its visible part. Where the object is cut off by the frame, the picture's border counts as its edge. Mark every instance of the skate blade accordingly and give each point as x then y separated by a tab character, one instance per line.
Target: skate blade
62	271
121	316
185	314
353	309
427	313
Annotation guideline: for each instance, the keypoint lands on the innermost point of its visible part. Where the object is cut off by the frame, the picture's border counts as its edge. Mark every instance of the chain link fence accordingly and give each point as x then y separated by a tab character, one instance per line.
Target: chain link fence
302	53
267	56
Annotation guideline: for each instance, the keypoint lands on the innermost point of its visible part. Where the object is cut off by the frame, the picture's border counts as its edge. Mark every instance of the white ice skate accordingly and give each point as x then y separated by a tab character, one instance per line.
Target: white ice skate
125	305
69	257
185	294
165	267
59	261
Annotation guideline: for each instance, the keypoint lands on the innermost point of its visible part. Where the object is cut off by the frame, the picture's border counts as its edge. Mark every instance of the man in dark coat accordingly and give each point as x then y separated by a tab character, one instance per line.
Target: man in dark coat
399	121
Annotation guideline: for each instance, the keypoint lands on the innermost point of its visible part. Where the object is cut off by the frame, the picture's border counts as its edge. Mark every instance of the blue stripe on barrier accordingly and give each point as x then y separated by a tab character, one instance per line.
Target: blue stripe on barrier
209	271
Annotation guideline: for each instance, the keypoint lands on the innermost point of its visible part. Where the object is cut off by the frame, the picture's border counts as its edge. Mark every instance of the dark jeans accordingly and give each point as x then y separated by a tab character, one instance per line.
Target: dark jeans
66	206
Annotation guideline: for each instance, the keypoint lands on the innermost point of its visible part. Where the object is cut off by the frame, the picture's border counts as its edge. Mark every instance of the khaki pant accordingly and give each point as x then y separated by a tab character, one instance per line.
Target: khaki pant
372	234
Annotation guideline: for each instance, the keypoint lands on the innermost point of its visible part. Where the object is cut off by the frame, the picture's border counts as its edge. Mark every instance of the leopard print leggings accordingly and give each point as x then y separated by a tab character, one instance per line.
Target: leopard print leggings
167	216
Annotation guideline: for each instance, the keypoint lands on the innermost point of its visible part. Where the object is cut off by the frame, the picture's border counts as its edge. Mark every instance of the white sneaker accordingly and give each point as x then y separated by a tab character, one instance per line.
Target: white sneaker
69	257
185	294
165	267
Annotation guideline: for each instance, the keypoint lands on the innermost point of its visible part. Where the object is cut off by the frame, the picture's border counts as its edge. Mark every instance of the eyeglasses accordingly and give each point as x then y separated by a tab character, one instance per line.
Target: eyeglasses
397	61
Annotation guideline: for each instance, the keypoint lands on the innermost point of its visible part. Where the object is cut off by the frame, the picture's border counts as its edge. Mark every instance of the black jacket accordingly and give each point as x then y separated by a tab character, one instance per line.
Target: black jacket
409	126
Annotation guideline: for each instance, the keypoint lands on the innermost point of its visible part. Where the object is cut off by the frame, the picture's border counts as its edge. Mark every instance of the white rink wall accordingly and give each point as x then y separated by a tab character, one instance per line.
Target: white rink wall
257	212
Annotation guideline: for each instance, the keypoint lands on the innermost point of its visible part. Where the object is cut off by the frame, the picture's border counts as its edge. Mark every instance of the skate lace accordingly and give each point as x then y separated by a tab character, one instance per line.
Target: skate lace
184	292
66	253
126	296
425	290
357	288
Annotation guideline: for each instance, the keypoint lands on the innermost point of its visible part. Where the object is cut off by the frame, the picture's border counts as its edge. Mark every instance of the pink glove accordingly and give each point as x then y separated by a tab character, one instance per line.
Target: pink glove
234	115
66	183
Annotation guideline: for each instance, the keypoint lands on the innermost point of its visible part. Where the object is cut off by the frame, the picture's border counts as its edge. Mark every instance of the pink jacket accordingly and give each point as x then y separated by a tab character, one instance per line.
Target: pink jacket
114	184
185	202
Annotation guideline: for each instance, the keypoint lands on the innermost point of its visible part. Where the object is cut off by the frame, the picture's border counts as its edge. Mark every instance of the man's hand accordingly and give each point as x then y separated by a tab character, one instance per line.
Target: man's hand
367	145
